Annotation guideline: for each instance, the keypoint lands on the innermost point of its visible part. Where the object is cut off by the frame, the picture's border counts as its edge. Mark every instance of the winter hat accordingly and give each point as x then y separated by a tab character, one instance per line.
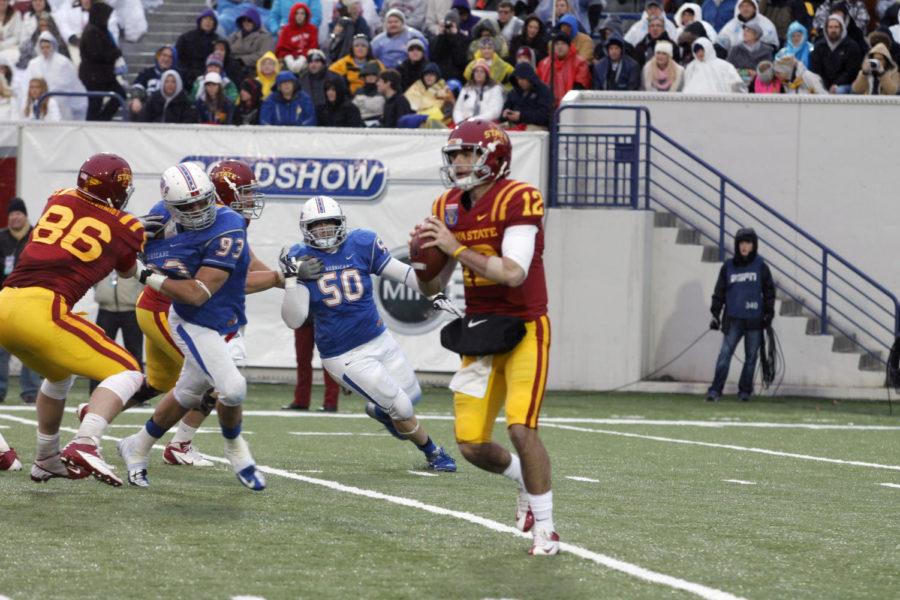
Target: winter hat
452	17
525	52
486	42
562	36
664	47
360	39
785	65
433	69
838	18
753	25
650	3
215	59
455	85
370	68
395	12
617	40
415	43
16	205
212	77
765	71
316	54
482	64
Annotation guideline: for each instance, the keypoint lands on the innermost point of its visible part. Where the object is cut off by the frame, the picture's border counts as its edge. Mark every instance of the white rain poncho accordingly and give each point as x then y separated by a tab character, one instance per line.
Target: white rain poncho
712	75
61	76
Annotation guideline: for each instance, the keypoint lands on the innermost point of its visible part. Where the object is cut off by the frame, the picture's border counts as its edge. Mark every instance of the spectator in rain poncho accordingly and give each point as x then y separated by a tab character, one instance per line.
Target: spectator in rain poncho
572	7
709	74
637	32
690	13
131	18
732	34
797	44
60	75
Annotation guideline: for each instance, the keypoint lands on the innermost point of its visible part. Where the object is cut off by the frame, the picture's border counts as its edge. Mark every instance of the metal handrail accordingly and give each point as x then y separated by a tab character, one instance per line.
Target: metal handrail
820	260
35	108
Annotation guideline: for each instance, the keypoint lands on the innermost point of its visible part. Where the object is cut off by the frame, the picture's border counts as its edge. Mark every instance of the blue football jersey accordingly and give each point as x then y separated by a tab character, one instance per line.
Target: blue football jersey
222	245
341	301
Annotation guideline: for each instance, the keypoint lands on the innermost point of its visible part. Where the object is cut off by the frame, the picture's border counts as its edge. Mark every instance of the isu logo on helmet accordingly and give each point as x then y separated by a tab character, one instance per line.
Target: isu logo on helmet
491	155
107	179
236	187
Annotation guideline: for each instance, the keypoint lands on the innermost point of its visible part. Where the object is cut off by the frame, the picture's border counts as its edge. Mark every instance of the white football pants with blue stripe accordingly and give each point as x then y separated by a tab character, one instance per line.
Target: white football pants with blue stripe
378	371
209	361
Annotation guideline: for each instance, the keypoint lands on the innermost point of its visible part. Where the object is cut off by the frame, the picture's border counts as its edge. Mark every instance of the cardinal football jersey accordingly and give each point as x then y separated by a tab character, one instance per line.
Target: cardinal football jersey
75	244
481	227
341	300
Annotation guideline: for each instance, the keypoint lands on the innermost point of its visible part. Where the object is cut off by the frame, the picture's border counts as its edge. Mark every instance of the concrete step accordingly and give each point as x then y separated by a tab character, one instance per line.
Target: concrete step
664	219
845	344
710	254
871	362
688	236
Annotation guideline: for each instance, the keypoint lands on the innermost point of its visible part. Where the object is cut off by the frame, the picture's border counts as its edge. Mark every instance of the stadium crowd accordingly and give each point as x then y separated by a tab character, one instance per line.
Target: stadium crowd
432	63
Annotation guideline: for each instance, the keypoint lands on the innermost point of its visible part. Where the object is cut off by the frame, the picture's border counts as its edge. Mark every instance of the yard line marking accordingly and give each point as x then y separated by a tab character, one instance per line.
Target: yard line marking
308	471
316	433
892	485
739	481
247	598
422	473
836	461
200	430
586	479
627	568
714	424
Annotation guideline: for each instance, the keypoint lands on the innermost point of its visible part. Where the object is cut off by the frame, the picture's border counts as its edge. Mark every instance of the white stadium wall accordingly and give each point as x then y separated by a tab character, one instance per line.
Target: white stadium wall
624	298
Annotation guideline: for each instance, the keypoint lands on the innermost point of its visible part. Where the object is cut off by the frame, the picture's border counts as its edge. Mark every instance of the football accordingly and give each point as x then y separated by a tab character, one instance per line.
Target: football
426	262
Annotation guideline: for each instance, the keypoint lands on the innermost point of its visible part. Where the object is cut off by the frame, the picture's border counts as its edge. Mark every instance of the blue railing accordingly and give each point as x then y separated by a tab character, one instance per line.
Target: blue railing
35	109
621	160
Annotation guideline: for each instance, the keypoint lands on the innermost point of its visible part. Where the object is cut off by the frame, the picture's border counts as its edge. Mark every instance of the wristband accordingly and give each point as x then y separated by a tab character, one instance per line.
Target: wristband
459	251
156	281
290	283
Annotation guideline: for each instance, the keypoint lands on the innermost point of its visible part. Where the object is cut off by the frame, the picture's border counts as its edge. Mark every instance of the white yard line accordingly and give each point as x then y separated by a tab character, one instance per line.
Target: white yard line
338	433
585	479
627	568
739	481
422	473
892	485
855	463
247	598
712	423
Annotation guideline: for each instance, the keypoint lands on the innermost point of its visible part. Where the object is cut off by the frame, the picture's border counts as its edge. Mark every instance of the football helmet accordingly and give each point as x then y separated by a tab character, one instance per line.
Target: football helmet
236	186
319	209
106	178
493	154
189	195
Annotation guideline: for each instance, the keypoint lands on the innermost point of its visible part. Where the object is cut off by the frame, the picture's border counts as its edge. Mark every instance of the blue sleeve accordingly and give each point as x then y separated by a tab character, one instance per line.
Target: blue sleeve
266	112
308	116
225	249
160	209
297	250
380	255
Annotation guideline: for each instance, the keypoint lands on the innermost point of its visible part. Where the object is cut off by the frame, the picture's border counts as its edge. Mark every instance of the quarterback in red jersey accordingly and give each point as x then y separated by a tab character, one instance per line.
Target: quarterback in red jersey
493	226
82	235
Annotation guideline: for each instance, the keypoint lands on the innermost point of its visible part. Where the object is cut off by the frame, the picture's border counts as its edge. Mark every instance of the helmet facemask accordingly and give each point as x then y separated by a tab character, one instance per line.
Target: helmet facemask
326	233
248	201
194	213
463	176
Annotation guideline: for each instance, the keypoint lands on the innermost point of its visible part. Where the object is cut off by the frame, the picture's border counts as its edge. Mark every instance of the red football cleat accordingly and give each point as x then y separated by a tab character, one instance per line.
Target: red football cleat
9	461
84	459
45	469
546	543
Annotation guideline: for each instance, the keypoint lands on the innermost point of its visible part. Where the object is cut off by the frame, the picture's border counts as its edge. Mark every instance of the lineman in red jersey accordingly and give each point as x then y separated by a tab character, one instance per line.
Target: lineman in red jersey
493	226
82	235
235	186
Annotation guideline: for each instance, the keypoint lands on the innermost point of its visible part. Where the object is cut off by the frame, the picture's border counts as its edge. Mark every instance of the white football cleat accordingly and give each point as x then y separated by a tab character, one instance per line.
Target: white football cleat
546	542
45	469
134	460
184	453
524	516
244	466
9	461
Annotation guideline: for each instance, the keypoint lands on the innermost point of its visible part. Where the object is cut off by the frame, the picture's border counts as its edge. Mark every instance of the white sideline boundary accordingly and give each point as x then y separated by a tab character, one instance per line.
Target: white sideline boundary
891	485
615	564
656	438
712	423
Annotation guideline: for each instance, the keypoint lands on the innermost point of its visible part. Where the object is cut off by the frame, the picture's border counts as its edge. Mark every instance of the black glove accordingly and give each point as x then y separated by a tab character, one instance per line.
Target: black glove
142	271
153	225
308	267
715	324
